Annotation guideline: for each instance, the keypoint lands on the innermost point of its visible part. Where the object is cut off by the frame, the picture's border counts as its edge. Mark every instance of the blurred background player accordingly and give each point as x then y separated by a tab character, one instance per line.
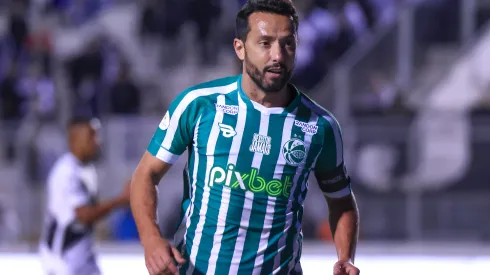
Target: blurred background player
72	209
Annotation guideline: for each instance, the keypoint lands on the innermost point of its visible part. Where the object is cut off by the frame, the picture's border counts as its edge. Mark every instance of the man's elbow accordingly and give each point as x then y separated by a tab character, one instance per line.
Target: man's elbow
150	170
84	215
342	205
144	175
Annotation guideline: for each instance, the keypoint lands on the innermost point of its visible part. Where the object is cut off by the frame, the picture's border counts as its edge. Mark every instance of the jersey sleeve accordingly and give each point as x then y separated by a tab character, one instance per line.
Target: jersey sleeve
175	132
330	170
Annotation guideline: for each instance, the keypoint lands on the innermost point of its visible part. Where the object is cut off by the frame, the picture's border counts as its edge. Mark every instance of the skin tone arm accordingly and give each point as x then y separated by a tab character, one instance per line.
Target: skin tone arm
343	217
89	214
144	195
159	253
344	224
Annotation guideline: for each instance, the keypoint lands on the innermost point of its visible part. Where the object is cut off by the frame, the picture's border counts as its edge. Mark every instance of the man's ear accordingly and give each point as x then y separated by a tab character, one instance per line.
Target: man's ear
239	46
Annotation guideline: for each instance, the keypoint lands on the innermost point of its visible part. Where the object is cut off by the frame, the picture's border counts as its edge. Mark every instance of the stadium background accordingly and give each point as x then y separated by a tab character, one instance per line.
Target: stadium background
407	79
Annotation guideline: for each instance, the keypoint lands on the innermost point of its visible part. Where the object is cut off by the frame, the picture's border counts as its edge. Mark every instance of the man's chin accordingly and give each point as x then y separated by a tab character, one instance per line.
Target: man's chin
274	87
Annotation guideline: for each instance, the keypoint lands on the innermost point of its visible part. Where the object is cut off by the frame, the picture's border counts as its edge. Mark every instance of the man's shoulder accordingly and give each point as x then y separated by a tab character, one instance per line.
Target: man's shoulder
324	115
206	93
211	88
66	161
230	82
65	167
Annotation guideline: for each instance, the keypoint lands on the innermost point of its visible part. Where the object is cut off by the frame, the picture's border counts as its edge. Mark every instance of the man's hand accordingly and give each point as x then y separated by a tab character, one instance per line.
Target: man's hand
345	268
160	256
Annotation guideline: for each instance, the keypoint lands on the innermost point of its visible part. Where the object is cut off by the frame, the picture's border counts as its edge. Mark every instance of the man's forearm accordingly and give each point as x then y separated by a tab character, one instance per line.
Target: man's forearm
91	214
344	223
144	205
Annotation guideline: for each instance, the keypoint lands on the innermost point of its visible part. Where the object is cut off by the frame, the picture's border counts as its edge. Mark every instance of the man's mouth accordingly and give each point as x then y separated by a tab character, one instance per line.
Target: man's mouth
275	70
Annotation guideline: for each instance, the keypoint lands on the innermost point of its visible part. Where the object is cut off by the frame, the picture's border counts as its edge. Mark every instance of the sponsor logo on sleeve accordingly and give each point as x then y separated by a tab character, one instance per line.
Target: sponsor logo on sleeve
165	122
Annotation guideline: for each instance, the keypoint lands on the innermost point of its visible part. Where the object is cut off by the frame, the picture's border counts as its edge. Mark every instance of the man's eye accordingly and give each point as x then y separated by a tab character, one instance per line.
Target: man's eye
290	44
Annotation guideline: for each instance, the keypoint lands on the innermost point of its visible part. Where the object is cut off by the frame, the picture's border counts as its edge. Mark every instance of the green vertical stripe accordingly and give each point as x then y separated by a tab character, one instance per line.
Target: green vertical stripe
267	168
203	137
237	196
221	154
277	127
156	141
328	156
304	115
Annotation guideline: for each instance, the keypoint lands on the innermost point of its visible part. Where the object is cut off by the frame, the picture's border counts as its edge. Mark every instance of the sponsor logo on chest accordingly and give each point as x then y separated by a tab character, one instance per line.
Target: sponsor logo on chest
227	130
294	152
227	109
306	127
261	144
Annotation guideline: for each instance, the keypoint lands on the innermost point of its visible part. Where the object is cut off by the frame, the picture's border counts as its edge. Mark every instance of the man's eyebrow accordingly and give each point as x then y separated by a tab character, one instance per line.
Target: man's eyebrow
269	37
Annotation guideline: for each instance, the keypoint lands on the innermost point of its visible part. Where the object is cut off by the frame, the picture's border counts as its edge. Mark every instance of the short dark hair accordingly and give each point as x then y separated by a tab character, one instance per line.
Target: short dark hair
282	7
81	120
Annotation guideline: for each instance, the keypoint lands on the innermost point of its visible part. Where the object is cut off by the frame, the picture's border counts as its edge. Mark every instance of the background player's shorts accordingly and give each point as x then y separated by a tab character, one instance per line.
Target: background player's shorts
53	264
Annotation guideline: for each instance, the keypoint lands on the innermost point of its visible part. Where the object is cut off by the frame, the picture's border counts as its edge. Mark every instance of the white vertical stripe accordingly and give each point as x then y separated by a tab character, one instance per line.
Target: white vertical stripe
185	102
242	233
248	203
194	177
210	148
290	215
225	201
269	216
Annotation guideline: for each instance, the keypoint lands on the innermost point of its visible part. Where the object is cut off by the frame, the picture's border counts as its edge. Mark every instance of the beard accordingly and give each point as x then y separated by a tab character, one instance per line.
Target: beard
258	77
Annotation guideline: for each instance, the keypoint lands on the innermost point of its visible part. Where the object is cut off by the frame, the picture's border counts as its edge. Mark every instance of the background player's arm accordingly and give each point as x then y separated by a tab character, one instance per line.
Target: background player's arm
88	214
144	195
334	182
78	199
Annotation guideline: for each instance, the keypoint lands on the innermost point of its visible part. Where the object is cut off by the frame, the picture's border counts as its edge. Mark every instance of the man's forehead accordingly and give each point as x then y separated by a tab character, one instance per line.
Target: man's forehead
269	23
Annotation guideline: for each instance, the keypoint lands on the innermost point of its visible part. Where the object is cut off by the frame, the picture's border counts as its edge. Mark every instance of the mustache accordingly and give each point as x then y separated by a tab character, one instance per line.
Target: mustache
277	66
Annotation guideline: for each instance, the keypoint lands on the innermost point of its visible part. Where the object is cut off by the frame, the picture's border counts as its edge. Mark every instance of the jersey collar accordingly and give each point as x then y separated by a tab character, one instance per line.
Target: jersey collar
272	110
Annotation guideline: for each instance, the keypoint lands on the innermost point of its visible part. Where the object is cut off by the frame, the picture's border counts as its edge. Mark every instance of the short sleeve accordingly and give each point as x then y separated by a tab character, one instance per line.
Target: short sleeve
330	169
175	132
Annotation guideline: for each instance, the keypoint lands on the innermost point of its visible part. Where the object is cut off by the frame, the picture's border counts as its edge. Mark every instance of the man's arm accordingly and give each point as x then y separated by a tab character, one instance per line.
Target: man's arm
144	196
334	182
343	213
89	214
76	195
344	224
174	135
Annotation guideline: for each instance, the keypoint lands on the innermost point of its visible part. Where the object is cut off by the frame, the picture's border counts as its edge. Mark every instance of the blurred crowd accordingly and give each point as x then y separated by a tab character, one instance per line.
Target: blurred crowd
100	79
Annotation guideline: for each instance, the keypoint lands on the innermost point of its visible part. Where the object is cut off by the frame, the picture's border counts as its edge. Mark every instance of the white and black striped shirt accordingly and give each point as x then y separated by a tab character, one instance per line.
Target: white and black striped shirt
71	184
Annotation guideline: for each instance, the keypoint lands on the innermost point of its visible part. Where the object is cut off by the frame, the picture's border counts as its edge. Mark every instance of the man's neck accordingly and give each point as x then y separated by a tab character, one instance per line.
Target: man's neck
269	100
79	157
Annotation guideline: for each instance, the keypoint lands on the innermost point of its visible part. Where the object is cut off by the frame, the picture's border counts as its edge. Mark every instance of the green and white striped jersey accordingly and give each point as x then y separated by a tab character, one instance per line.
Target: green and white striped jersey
248	170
